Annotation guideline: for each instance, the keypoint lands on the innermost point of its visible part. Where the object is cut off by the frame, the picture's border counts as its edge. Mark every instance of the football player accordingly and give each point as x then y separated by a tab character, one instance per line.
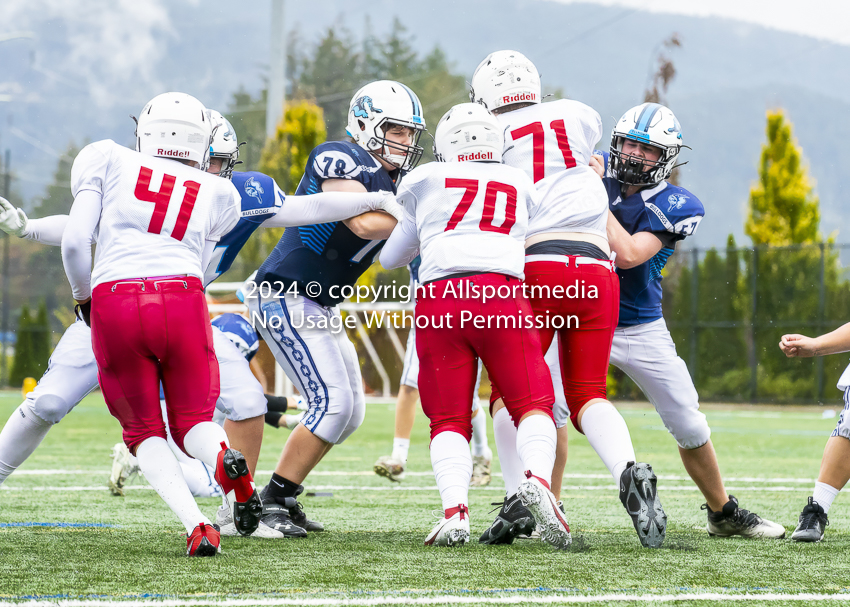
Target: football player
145	304
567	245
72	371
835	465
649	216
468	216
295	308
393	466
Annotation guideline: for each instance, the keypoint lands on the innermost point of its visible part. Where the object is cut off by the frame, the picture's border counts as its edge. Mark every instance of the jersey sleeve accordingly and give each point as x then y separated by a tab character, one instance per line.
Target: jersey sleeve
592	125
260	196
410	188
332	160
674	211
89	169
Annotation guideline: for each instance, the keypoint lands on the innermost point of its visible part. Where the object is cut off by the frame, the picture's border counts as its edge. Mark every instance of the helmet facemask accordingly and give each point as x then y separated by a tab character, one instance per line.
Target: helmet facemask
636	170
404	157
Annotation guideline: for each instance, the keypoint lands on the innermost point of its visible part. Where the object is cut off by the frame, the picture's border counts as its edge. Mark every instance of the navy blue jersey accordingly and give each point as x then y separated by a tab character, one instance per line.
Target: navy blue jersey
668	211
261	199
413	268
327	253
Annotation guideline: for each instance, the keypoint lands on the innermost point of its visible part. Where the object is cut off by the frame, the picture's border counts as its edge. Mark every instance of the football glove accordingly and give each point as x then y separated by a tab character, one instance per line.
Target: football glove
12	220
83	312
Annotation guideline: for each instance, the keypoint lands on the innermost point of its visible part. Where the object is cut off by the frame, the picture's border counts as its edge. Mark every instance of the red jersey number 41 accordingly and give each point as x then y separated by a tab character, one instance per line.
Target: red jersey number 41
161	198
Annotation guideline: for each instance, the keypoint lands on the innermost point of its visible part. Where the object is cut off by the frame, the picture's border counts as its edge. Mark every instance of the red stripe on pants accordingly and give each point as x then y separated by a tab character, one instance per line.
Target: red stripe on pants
144	331
448	356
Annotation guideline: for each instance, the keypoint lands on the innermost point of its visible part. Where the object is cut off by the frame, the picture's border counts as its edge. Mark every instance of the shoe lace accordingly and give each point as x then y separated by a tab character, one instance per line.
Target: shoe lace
499	505
746	518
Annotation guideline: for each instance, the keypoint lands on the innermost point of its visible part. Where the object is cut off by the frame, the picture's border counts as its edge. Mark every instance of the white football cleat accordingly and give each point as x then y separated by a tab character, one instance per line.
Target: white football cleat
225	521
480	471
551	521
452	531
291	421
389	467
298	403
124	466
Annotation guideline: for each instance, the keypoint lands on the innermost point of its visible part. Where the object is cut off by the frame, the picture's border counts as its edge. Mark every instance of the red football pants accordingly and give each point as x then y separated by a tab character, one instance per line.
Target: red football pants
449	350
144	331
584	349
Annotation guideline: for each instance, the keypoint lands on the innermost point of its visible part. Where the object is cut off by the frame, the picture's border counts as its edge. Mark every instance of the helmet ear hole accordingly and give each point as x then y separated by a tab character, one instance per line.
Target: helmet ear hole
362	126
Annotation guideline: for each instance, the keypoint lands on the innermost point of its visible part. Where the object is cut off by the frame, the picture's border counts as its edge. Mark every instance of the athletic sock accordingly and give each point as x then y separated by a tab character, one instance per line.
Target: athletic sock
280	488
608	434
21	435
452	466
479	435
200	478
536	439
203	442
163	472
824	495
401	447
505	433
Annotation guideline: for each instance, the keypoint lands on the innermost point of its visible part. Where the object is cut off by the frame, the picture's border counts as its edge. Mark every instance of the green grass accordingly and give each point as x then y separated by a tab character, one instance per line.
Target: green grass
374	539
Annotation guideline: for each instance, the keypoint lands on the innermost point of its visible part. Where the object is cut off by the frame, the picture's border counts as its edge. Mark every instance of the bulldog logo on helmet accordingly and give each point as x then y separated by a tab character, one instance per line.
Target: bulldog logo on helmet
363	106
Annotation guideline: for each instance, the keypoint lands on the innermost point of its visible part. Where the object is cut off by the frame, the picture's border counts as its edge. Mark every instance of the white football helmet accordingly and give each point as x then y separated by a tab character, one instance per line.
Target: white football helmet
505	78
652	124
225	145
176	126
469	132
377	106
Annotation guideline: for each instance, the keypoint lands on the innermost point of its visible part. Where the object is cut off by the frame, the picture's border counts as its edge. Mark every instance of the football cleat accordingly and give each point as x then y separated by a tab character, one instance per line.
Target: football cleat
480	471
205	540
124	466
640	499
732	520
228	528
551	521
291	421
276	517
452	529
812	525
296	513
513	520
390	468
234	478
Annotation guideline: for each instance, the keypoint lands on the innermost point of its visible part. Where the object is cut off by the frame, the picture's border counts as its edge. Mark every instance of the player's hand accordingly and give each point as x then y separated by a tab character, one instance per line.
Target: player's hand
597	163
798	346
12	220
83	311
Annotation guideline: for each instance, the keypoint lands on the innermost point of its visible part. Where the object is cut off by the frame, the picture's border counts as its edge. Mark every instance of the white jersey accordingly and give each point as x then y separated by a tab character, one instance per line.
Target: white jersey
156	214
469	217
553	143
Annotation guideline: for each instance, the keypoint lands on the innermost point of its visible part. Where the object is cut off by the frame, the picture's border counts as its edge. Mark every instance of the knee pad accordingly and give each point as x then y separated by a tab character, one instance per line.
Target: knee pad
50	407
517	411
354	422
689	427
461	424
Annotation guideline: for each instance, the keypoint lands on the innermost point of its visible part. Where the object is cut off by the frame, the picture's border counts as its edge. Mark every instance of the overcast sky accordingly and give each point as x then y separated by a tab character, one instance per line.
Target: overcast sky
825	19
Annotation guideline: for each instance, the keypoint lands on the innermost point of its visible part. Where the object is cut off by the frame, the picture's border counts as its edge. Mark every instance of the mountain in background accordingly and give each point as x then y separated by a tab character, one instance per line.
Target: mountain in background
74	88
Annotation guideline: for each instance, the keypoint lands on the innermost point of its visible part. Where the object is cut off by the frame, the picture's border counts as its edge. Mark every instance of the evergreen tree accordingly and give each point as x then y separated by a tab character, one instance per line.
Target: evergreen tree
23	361
783	207
247	114
42	344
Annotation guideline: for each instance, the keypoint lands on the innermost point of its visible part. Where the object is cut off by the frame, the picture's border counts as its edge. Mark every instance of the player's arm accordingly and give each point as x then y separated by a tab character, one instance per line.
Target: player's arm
77	242
374	225
631	250
326	207
46	230
800	346
402	247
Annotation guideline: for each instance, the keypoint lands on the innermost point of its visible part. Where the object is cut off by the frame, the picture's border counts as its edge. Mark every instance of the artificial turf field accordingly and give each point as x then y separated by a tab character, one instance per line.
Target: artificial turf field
372	552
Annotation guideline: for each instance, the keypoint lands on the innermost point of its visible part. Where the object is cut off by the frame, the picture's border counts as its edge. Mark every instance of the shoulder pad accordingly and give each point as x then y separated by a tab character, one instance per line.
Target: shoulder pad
259	194
675	210
341	160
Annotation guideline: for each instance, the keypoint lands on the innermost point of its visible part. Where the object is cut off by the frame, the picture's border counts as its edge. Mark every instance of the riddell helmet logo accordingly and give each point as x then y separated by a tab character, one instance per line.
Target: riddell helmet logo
172	153
475	156
518	97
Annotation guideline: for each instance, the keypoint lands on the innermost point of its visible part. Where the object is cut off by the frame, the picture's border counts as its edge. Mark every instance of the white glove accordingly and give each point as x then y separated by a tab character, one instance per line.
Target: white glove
389	205
12	220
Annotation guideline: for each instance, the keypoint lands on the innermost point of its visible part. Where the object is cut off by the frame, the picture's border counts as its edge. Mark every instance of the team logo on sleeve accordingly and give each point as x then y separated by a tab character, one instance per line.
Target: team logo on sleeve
677	201
363	107
254	189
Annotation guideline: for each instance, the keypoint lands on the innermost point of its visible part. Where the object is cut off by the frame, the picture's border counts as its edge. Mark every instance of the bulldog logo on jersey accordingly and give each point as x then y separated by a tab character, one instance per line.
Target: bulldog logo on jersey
677	201
363	107
254	189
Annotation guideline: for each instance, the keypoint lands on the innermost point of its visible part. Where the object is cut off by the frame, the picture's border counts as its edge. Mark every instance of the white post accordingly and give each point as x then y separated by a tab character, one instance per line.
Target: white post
277	69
